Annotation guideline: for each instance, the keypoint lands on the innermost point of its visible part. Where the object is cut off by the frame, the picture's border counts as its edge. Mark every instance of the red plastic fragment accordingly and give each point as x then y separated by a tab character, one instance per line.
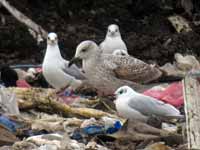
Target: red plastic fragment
173	94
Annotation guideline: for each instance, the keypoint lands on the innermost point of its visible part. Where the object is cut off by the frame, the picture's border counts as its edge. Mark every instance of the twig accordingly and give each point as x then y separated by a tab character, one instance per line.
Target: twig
41	99
39	32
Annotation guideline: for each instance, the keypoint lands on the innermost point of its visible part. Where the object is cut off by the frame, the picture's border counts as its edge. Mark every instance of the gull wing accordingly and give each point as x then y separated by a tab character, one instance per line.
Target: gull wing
130	68
73	70
148	106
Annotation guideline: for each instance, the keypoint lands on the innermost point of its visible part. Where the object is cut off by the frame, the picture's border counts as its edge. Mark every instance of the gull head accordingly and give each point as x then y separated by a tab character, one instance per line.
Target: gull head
120	52
113	31
124	91
85	50
52	39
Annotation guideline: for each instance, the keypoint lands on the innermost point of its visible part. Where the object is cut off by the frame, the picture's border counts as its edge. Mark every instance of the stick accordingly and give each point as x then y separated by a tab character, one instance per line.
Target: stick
192	111
39	31
40	98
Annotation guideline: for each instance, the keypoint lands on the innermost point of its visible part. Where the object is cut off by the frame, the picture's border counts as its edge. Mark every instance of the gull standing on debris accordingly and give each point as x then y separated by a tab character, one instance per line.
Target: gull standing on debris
55	68
133	105
107	72
112	40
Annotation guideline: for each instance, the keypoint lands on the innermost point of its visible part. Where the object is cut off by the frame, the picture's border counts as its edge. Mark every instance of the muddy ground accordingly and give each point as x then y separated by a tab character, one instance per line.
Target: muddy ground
143	24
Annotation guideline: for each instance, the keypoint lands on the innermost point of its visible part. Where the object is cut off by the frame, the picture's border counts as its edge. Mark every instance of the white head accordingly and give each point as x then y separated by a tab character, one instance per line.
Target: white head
113	31
120	52
124	91
52	39
86	49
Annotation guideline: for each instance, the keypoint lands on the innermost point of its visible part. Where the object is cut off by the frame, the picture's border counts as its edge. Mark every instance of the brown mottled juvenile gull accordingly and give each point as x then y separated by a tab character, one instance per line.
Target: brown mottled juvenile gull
120	52
107	72
112	40
55	68
133	105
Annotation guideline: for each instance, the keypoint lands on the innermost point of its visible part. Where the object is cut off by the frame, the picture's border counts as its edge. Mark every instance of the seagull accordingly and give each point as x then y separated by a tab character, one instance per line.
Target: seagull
55	68
120	52
107	72
112	40
133	105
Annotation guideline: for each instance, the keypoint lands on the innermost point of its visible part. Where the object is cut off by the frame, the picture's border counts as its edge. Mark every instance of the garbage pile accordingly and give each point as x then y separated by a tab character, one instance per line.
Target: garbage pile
36	119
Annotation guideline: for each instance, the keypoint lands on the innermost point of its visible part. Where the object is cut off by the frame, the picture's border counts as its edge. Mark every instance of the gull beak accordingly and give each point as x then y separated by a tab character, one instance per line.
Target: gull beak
112	32
53	40
74	60
115	95
114	101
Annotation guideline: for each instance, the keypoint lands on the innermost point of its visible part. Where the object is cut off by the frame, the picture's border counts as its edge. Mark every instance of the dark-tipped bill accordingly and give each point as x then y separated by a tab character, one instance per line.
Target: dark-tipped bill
74	60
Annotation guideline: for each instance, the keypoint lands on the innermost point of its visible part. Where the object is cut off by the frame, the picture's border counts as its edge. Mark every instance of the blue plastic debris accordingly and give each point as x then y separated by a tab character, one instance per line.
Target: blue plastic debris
76	135
114	129
8	124
94	129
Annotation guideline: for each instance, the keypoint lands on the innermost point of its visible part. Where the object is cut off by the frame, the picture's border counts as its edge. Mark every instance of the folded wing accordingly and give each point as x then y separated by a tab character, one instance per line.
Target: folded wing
73	71
133	69
148	106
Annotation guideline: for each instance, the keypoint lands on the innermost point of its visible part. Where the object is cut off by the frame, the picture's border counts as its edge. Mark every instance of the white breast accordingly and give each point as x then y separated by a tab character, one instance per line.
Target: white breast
111	44
54	75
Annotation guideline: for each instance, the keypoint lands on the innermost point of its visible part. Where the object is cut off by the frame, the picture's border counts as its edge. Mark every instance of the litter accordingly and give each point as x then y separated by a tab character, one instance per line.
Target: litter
22	84
54	139
158	146
8	124
93	127
169	127
7	137
8	102
173	94
85	127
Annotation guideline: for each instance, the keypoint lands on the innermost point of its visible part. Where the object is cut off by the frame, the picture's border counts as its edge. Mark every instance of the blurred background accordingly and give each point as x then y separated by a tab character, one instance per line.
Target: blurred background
143	24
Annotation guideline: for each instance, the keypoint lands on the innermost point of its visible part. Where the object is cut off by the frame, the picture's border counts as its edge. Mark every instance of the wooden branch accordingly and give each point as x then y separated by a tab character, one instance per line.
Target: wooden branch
46	99
40	32
192	110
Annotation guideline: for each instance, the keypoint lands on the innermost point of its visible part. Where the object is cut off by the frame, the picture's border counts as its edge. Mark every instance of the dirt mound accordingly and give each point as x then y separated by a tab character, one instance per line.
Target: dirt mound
143	24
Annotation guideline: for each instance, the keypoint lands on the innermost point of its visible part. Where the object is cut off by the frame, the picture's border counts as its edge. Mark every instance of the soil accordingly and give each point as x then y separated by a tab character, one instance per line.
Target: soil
143	24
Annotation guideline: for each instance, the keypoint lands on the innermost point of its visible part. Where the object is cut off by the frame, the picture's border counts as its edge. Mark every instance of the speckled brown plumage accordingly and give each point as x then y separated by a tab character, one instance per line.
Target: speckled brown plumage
107	72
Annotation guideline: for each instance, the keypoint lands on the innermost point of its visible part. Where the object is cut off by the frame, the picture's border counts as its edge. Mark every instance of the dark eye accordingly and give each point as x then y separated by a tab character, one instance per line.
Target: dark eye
121	92
109	31
48	38
84	50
